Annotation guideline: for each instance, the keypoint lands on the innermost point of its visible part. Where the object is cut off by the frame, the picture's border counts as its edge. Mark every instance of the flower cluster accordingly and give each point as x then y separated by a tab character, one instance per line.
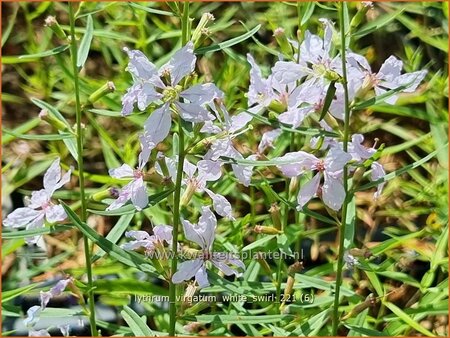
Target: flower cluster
297	89
169	91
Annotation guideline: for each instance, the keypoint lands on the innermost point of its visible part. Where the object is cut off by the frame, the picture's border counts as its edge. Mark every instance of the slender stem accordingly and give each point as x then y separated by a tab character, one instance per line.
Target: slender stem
176	223
87	254
340	264
177	193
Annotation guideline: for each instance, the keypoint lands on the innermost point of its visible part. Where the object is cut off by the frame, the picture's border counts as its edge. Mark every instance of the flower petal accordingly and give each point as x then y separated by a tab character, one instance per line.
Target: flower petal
139	65
163	233
52	176
186	270
222	266
139	196
221	205
285	72
124	197
298	163
32	316
209	170
146	95
308	191
202	277
55	213
193	113
137	234
202	93
333	193
124	171
157	126
181	64
390	69
21	217
268	139
377	173
203	232
259	90
336	159
39	198
129	99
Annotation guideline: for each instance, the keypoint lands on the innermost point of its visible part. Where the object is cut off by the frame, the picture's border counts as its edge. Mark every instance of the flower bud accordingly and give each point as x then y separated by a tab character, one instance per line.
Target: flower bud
360	252
53	121
359	16
259	256
277	107
53	24
293	186
188	193
292	270
331	121
358	175
201	28
369	302
107	88
107	193
276	215
76	291
188	294
193	310
282	41
260	229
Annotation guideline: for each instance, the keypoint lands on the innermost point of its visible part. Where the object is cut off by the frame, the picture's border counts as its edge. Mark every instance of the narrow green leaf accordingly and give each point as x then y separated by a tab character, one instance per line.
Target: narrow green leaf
408	320
227	43
150	10
400	171
23	128
379	98
239	319
11	294
131	259
350	224
30	57
115	234
328	99
136	324
308	10
85	44
45	137
34	232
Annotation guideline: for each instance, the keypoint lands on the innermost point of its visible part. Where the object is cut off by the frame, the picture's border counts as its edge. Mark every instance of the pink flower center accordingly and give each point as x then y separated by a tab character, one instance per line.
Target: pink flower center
284	97
318	106
138	174
373	79
207	255
320	166
46	205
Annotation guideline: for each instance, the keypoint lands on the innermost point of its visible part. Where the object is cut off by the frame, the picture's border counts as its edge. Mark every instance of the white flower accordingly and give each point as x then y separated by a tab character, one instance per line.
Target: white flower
203	234
388	77
41	207
333	193
135	190
151	85
161	234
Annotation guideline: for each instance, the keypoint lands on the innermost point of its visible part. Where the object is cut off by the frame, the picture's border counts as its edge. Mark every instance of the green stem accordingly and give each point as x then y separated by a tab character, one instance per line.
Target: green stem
340	264
176	223
87	254
177	193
